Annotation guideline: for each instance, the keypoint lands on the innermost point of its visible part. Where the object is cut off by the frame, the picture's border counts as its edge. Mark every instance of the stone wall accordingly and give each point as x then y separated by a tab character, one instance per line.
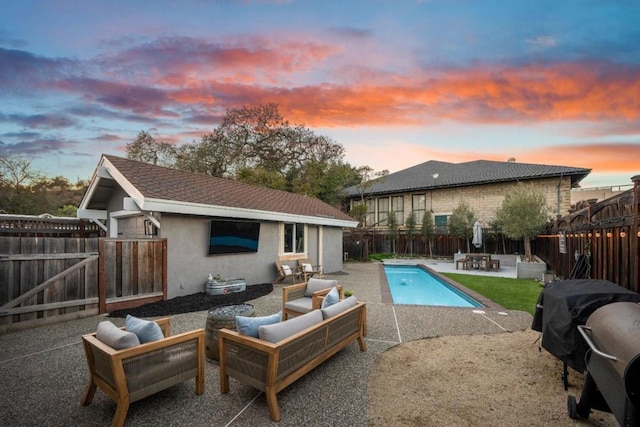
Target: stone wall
486	199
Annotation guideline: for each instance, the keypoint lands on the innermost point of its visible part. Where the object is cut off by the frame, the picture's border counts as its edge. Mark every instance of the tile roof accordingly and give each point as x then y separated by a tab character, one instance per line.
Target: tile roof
421	177
157	182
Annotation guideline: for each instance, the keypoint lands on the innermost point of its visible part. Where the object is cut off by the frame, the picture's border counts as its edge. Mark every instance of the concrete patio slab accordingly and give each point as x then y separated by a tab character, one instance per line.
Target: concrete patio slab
44	372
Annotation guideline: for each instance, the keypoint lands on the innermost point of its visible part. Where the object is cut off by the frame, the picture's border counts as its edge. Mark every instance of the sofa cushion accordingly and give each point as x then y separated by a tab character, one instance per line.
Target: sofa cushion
115	337
315	285
286	270
145	330
339	307
249	325
279	331
331	298
307	268
301	305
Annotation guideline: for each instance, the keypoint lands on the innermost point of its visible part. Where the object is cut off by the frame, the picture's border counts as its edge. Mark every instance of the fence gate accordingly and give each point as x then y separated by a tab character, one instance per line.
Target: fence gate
51	279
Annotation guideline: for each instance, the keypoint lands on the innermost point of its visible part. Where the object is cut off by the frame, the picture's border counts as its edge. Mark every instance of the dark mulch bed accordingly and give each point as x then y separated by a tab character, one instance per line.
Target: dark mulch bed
195	302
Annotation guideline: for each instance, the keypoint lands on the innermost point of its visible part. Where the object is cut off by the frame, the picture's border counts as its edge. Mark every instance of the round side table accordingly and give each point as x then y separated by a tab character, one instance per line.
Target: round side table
222	317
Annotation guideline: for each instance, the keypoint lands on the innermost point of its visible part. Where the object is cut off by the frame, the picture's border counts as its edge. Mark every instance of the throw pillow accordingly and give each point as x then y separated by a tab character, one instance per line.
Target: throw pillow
249	325
279	331
339	307
308	268
315	285
287	270
145	330
115	337
331	298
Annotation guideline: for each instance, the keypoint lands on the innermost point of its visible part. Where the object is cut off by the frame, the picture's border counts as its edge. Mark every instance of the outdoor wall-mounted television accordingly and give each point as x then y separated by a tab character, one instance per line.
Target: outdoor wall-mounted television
233	237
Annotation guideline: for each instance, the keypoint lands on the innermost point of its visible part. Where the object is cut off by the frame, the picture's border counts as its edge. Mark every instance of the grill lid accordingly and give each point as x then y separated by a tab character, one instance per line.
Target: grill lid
615	330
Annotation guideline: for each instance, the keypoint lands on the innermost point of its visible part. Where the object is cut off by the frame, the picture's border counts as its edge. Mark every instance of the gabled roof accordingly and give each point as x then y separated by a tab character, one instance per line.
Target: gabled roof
159	189
478	172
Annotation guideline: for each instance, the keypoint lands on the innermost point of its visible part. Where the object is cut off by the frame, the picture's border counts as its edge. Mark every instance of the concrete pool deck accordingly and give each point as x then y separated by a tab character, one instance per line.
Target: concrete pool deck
44	372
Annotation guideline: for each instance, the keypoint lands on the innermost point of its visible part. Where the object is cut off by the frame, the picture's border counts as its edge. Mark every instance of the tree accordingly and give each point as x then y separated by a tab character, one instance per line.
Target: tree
461	222
262	177
146	149
367	178
359	212
392	223
523	215
211	156
16	181
428	230
258	146
66	210
411	230
326	181
496	230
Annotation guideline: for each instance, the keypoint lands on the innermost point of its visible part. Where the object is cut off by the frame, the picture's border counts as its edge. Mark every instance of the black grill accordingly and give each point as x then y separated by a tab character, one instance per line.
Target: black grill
565	304
612	382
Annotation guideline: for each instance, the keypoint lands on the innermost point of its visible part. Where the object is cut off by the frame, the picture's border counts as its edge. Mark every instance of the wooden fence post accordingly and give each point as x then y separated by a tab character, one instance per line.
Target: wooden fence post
102	289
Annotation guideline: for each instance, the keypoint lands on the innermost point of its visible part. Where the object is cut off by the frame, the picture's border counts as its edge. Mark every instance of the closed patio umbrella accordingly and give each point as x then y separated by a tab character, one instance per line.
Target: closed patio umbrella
477	234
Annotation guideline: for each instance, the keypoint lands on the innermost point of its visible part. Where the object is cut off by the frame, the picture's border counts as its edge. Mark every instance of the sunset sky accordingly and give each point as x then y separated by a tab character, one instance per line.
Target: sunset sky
397	83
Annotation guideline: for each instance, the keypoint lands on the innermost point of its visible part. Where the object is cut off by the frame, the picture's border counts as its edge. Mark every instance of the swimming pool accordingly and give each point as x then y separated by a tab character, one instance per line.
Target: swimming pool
410	284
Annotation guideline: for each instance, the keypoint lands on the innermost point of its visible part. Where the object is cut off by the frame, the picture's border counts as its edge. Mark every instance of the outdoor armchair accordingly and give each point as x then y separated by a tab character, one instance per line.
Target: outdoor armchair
285	271
304	297
308	269
130	374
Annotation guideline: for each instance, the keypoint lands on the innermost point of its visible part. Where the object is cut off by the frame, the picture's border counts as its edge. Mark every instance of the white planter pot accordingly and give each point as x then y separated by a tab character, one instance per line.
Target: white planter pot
530	270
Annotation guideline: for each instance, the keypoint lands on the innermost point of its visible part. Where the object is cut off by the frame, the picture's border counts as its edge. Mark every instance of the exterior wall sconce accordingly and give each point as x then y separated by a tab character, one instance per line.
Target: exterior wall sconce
597	234
589	235
623	233
638	233
609	234
581	234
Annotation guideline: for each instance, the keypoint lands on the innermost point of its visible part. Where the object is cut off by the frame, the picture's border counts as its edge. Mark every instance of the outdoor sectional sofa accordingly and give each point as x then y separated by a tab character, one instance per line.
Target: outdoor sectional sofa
290	349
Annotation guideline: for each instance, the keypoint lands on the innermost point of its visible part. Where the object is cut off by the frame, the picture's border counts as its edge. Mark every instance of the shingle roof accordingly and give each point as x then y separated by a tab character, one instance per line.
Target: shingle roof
157	182
477	172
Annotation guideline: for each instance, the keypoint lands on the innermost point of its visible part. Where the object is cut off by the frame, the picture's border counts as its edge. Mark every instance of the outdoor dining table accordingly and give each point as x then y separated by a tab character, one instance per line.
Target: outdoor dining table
481	261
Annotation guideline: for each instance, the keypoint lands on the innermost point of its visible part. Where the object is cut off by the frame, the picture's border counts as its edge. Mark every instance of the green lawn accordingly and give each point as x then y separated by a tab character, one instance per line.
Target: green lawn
512	294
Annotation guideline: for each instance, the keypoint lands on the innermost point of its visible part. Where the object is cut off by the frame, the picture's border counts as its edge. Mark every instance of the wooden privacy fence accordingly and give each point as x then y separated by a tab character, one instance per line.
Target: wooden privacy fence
607	231
50	279
360	243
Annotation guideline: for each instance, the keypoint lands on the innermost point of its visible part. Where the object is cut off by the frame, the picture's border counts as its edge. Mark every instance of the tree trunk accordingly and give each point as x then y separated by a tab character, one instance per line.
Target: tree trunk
527	250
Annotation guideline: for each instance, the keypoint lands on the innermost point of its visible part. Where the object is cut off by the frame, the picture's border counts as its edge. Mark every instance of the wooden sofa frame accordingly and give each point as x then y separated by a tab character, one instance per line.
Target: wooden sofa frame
133	373
271	367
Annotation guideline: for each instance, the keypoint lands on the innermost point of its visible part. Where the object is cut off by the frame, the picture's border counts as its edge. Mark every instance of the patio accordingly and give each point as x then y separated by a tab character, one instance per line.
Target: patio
44	370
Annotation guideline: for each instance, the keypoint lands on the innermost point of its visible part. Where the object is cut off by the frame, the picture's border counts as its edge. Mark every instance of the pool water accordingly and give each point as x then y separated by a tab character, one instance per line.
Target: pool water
410	284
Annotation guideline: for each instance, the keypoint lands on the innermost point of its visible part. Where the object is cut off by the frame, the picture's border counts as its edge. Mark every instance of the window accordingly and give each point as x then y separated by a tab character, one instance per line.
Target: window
397	206
419	206
370	217
294	238
441	222
383	210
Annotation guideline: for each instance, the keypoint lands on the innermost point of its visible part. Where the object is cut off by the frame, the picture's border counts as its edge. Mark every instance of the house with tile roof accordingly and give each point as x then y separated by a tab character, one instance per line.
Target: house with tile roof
441	186
131	199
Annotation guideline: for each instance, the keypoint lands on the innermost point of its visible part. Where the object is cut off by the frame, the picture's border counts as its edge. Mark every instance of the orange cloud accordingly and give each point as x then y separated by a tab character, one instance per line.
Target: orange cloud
573	91
601	157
